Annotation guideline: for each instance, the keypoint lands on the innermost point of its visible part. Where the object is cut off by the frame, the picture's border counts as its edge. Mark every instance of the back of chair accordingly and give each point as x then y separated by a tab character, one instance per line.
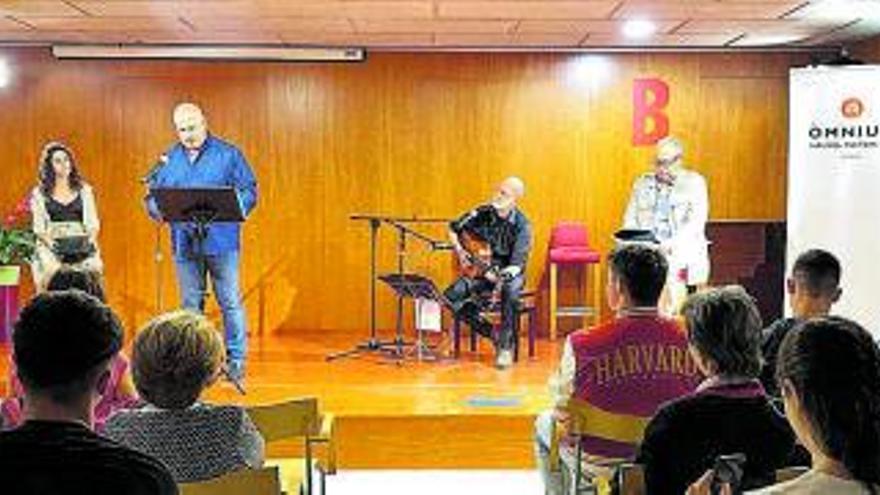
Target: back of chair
569	234
631	479
293	418
790	473
262	481
587	419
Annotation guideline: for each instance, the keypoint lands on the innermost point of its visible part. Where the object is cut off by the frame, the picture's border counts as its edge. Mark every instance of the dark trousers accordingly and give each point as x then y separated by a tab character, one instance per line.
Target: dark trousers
468	297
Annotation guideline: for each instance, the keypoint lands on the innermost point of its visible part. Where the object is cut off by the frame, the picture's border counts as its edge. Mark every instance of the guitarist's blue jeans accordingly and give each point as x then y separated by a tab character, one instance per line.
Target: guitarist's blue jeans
469	297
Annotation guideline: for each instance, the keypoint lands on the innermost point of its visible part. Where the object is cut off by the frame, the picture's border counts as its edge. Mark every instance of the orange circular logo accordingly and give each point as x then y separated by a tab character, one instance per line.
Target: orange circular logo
852	108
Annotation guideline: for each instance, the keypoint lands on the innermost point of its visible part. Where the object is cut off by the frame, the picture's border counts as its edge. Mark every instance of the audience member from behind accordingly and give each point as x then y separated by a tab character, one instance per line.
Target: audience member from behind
729	412
175	357
119	392
626	367
829	373
64	342
813	288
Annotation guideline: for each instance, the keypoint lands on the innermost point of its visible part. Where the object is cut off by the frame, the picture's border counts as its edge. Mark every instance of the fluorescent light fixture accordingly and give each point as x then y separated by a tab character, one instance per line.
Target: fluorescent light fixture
5	73
639	29
209	52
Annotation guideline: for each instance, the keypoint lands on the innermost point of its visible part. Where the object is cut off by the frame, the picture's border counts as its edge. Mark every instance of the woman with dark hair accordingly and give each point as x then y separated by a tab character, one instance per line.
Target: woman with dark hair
828	370
65	219
729	413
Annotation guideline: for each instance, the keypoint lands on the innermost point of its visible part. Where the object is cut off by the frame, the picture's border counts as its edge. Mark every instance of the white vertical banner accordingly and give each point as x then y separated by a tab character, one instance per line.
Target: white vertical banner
834	179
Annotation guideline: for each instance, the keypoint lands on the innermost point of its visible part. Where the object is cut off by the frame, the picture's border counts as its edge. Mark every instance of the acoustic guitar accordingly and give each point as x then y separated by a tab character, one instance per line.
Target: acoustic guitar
478	255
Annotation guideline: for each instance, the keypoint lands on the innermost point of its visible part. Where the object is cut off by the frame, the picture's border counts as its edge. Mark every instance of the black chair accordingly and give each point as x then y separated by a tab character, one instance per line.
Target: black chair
527	307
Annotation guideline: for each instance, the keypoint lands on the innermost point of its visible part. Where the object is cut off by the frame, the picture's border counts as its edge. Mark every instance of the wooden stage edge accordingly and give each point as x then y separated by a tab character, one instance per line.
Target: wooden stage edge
461	414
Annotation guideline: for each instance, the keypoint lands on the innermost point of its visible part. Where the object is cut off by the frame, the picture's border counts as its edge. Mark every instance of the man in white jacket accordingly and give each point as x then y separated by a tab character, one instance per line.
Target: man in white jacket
673	203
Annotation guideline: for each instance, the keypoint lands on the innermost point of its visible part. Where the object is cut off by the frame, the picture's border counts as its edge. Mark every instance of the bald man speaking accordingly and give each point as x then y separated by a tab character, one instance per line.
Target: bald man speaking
506	230
200	160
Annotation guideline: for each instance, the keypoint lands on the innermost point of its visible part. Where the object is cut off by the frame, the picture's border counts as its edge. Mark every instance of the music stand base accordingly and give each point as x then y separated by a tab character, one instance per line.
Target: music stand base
395	348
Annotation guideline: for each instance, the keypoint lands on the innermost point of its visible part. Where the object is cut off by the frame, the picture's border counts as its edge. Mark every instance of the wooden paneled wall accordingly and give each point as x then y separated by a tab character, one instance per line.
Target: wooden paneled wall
401	134
868	50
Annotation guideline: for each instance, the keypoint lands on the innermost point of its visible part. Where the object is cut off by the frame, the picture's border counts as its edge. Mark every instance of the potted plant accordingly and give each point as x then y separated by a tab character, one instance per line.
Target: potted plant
17	246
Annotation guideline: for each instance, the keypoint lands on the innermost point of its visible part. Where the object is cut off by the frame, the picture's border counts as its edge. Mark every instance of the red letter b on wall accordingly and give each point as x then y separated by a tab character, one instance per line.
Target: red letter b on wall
650	124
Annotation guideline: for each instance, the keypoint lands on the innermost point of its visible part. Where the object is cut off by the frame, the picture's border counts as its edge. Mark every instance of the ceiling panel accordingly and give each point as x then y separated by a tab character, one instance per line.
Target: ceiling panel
526	9
271	24
666	40
99	24
37	7
435	26
369	40
442	23
704	9
588	26
781	26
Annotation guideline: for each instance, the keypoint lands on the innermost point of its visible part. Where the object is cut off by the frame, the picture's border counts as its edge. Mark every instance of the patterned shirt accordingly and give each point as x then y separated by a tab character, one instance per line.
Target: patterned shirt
677	214
198	443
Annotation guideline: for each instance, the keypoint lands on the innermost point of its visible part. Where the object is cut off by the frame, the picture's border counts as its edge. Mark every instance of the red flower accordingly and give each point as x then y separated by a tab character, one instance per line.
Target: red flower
22	208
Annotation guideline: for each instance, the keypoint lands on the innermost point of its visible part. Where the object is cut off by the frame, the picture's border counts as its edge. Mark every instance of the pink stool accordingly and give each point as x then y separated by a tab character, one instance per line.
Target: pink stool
570	246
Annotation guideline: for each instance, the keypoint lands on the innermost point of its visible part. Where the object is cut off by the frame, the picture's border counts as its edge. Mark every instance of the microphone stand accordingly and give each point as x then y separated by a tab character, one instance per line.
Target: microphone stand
373	343
147	180
402	232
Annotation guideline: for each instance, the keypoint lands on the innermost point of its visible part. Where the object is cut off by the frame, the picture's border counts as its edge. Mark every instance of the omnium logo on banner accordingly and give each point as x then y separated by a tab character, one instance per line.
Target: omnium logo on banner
851	131
834	179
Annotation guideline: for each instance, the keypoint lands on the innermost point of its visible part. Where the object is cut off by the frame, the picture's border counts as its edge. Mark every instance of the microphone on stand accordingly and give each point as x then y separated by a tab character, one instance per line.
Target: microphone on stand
161	162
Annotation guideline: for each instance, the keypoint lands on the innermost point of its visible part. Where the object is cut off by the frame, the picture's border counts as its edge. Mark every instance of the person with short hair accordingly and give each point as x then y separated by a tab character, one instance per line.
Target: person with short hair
729	412
65	216
626	367
63	343
813	288
199	160
175	357
828	369
119	392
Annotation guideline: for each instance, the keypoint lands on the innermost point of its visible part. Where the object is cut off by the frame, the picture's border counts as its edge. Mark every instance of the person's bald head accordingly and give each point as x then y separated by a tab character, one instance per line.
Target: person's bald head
190	124
509	191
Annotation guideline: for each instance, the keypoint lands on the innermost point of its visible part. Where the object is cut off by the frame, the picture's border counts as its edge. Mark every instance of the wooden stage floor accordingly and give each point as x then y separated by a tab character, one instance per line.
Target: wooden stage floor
449	414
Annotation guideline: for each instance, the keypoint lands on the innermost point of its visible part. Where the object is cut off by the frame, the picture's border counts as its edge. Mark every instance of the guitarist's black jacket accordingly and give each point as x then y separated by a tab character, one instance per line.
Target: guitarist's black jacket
510	238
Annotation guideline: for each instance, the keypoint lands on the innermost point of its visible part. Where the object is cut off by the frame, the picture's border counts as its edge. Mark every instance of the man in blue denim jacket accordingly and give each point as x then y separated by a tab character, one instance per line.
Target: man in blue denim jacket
203	160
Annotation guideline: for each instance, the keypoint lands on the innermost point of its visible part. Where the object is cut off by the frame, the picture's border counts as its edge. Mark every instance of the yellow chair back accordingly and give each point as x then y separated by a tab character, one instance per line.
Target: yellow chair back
264	481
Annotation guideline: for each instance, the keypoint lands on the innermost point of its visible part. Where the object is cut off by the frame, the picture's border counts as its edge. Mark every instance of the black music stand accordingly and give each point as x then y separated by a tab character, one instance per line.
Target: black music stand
414	286
198	204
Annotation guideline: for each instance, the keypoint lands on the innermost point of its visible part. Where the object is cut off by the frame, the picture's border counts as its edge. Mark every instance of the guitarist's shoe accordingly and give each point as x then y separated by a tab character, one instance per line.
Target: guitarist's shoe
504	359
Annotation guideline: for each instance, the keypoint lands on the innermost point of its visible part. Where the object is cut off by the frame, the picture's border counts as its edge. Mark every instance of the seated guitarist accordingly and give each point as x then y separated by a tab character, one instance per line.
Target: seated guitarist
507	232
